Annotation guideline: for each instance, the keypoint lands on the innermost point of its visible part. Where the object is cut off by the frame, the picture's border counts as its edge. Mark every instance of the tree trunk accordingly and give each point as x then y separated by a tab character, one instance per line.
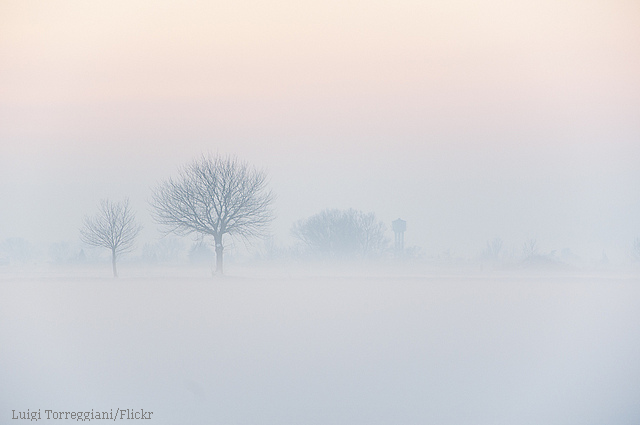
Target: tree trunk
113	262
219	249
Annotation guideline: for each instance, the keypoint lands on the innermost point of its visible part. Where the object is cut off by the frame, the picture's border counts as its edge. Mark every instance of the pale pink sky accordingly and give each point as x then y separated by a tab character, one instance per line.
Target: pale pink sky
470	119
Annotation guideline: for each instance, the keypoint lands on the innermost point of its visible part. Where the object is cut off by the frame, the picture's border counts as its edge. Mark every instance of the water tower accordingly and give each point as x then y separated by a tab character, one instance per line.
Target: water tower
399	226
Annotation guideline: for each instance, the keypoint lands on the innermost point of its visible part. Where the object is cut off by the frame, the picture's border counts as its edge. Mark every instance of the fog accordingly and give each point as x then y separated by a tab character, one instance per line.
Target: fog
512	121
325	350
505	134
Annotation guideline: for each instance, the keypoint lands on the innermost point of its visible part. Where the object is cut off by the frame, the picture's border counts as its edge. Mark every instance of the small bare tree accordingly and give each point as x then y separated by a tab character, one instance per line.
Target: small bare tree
530	248
212	196
113	227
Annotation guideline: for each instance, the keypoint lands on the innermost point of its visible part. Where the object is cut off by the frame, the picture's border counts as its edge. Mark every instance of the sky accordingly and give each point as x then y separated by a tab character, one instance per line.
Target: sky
470	120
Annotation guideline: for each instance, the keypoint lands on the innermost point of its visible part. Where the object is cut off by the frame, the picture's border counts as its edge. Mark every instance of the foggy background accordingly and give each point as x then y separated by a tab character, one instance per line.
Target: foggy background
325	351
473	121
512	120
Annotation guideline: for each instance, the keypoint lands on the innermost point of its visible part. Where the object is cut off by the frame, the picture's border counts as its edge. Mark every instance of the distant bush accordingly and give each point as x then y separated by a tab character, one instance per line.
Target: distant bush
334	233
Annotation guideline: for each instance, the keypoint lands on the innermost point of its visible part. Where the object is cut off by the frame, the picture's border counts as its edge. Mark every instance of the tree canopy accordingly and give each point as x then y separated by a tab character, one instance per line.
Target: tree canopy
342	233
214	196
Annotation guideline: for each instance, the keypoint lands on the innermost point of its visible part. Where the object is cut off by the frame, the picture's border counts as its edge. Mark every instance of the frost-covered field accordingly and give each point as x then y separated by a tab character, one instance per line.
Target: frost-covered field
328	350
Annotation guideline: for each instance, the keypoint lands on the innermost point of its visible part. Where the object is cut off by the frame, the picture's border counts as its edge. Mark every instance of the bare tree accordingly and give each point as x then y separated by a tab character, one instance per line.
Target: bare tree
17	250
113	227
530	248
342	233
213	196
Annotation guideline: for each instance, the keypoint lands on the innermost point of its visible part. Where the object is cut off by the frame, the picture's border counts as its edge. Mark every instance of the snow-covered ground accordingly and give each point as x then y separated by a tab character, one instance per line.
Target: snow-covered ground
324	350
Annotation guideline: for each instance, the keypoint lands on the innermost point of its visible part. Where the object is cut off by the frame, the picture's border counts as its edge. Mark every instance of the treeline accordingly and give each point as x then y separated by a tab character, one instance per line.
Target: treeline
220	199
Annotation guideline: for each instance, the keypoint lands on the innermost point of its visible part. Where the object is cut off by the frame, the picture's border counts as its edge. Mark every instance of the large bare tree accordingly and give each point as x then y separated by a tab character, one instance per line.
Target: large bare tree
113	227
212	196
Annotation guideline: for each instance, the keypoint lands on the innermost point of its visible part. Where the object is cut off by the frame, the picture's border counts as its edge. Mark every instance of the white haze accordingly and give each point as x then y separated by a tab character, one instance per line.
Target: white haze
513	121
325	350
473	121
455	195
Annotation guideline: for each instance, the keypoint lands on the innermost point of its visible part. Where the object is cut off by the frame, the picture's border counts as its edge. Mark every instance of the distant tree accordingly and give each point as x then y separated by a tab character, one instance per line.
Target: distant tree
17	250
113	227
166	250
530	248
61	253
636	249
492	250
215	196
200	253
342	233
